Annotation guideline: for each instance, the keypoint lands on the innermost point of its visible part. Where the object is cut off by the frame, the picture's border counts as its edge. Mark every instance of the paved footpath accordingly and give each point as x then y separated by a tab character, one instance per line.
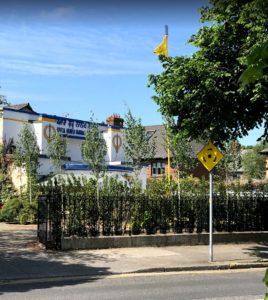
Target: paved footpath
22	257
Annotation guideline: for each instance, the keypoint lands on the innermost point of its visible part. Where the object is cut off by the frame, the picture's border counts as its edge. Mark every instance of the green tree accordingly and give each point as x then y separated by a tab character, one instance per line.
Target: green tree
182	156
3	100
257	62
181	152
27	156
254	163
7	189
203	91
231	162
137	146
57	150
5	149
94	150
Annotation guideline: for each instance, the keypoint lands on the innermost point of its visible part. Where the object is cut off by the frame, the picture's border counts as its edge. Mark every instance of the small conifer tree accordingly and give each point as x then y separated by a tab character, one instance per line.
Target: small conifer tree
27	156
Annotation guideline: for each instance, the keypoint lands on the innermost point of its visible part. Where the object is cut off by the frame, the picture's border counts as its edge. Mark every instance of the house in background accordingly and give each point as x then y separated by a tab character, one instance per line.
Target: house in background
158	167
241	173
265	152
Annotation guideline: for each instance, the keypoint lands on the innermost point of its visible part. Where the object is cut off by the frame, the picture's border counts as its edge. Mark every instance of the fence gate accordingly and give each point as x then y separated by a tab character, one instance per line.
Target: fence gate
265	216
49	221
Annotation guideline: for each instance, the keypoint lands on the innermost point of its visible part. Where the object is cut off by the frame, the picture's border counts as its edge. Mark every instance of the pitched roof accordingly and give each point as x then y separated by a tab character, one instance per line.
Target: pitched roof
264	151
22	107
158	132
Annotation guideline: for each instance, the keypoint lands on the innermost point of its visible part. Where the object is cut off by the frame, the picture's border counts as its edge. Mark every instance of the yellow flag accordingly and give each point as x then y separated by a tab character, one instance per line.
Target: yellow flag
162	48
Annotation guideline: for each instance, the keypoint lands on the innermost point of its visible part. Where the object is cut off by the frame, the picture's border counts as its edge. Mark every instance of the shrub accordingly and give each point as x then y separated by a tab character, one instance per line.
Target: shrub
11	210
122	207
28	214
19	210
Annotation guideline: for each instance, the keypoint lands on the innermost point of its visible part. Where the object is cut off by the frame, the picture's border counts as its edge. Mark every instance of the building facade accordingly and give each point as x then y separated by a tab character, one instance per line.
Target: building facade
158	167
44	126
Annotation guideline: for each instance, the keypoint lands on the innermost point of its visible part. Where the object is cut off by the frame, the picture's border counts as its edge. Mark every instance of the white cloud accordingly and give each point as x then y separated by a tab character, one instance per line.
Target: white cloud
57	13
75	51
111	68
20	97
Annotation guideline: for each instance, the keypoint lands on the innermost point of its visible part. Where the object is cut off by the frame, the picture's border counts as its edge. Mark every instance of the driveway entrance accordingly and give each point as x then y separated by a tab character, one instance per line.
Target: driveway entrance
14	237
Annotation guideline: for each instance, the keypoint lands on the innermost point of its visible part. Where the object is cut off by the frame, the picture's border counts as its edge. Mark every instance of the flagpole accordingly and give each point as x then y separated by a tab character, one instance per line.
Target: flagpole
168	148
166	33
162	49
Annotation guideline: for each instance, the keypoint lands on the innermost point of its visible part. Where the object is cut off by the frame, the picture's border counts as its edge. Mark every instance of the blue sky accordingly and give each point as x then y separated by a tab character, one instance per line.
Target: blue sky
70	57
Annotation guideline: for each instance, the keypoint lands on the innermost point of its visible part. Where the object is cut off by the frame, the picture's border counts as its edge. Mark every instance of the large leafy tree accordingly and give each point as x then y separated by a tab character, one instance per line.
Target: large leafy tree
203	92
257	62
27	156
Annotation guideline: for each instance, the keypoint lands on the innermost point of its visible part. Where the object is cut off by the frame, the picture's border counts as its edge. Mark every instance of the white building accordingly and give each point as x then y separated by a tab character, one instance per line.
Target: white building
13	117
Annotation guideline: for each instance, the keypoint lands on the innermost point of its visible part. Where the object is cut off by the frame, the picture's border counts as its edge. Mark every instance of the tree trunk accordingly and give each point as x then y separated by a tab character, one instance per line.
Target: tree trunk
30	188
98	192
179	185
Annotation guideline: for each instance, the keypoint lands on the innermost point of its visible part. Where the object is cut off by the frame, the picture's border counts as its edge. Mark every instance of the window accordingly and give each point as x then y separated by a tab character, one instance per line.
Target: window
158	168
149	134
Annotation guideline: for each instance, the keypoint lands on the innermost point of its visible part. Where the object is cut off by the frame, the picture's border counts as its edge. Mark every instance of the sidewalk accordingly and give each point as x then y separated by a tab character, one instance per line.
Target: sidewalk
21	257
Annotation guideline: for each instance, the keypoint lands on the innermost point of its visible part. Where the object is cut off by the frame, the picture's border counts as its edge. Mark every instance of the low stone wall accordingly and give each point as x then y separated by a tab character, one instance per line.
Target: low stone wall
186	239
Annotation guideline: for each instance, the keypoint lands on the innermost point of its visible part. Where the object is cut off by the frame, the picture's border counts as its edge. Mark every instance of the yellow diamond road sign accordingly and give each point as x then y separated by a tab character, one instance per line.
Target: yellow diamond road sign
209	156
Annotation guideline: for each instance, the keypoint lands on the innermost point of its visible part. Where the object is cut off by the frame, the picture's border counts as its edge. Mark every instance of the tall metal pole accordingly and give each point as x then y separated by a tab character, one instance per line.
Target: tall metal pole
210	217
168	141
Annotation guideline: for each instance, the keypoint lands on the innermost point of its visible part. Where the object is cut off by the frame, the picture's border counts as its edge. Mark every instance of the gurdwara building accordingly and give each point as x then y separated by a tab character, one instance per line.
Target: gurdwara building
45	125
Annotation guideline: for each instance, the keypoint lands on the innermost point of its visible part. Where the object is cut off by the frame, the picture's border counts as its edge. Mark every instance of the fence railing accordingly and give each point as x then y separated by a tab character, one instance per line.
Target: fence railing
65	214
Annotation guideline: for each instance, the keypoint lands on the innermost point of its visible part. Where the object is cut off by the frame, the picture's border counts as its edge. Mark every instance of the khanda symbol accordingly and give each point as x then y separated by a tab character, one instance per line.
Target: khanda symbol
117	142
49	132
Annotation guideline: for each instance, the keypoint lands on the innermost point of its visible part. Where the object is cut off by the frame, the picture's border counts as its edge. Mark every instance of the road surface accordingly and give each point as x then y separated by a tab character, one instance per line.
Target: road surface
218	285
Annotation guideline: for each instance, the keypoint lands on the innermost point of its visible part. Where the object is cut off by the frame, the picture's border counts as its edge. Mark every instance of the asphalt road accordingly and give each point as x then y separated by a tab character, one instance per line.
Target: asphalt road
235	284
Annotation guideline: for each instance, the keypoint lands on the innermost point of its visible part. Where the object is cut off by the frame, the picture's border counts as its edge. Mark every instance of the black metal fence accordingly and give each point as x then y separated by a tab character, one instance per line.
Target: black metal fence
64	214
49	229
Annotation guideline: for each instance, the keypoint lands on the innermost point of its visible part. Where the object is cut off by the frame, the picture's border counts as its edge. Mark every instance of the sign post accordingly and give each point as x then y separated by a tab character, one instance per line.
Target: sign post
210	217
210	156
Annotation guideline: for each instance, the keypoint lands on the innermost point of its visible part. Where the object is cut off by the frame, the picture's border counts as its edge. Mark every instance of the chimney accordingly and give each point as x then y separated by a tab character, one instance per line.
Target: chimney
115	120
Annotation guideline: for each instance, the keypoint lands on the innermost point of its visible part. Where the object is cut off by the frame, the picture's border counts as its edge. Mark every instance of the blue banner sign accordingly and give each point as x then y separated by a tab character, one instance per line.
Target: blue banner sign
72	127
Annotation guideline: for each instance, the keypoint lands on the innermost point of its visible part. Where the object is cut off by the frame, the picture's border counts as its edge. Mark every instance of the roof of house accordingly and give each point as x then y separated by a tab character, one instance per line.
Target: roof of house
264	151
21	107
158	132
